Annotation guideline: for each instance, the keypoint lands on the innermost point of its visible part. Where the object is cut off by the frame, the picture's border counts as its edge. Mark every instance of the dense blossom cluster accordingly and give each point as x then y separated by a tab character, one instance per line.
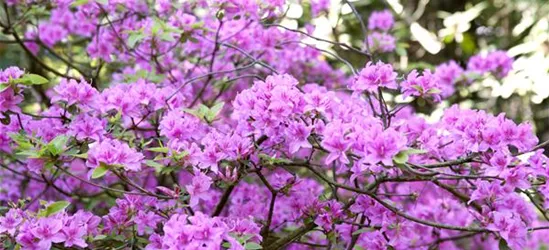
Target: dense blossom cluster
220	131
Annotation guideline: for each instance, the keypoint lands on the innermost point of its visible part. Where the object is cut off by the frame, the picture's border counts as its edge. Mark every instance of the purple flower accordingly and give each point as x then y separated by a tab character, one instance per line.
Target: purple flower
9	100
181	125
85	126
488	191
381	42
199	187
74	234
194	232
72	92
383	146
498	63
510	228
118	98
537	161
10	73
51	33
425	85
336	143
382	20
183	20
35	165
27	240
155	242
297	135
374	76
114	152
102	46
331	212
146	222
318	6
48	231
499	161
10	221
448	74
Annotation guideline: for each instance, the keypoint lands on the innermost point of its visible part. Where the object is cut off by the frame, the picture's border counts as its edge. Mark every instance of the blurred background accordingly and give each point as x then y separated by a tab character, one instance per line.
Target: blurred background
428	33
431	32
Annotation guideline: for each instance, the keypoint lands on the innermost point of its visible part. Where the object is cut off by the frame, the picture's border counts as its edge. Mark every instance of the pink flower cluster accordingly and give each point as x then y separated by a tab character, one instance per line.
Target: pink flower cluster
200	126
34	232
497	63
113	152
373	77
9	98
425	85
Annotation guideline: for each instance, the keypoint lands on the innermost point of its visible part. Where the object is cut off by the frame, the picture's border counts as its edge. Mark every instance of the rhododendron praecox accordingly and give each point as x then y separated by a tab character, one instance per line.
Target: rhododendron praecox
209	125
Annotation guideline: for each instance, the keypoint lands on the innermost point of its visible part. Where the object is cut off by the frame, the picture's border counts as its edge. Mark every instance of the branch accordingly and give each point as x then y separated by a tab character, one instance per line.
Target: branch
223	200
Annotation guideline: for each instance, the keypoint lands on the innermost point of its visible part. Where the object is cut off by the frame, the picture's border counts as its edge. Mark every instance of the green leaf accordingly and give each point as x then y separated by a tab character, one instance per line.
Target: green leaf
418	88
468	45
177	156
156	78
37	79
167	37
414	151
503	245
401	51
82	156
31	79
252	245
158	149
212	112
332	237
167	170
103	2
245	238
100	171
54	208
57	145
79	3
226	245
199	112
158	25
195	112
22	141
449	38
29	153
157	166
134	38
362	230
401	157
197	25
3	86
273	160
100	237
38	11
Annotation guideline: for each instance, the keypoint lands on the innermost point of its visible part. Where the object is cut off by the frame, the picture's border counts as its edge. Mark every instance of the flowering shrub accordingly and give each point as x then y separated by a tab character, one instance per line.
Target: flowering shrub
209	125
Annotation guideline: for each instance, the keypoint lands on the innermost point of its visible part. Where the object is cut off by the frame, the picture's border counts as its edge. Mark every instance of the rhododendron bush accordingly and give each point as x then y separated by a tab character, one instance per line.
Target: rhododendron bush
210	125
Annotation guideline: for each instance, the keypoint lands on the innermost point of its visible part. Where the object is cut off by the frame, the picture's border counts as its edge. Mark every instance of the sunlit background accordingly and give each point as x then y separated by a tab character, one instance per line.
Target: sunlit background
430	32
